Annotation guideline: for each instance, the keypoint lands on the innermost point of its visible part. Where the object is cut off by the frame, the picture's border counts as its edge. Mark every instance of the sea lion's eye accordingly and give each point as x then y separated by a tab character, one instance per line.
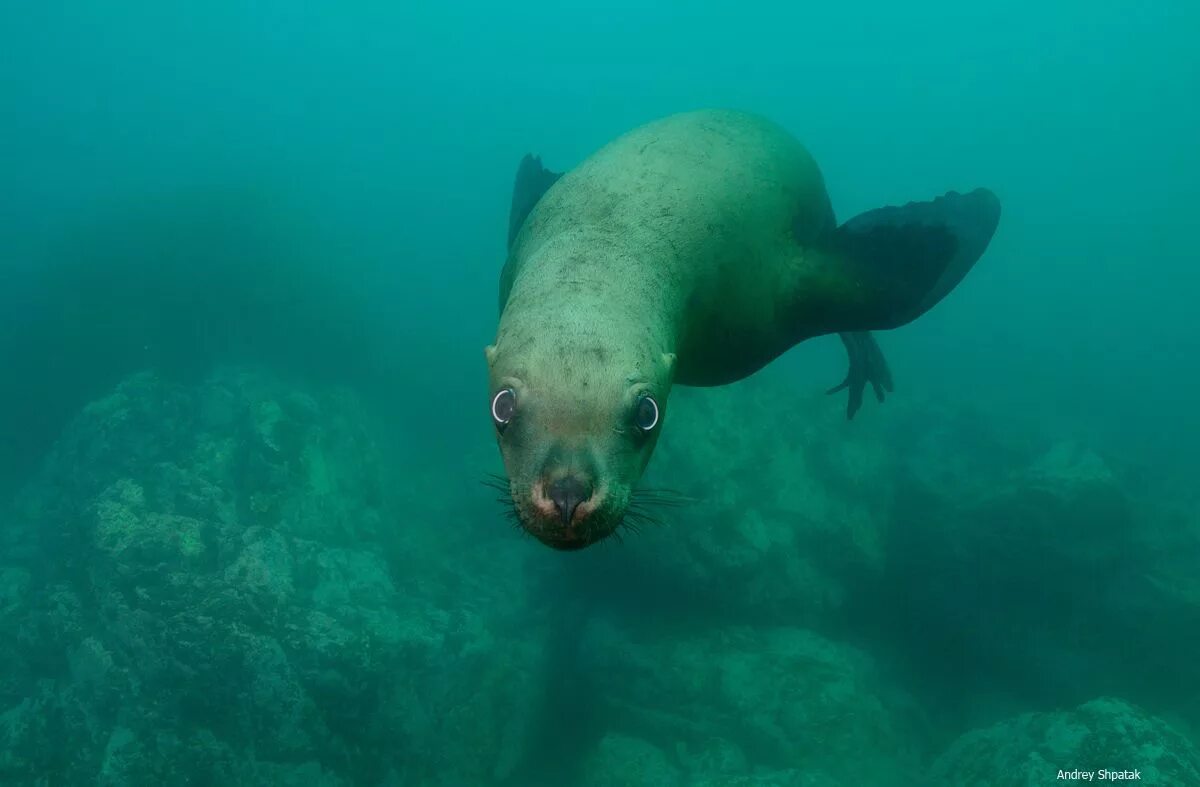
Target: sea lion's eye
504	404
645	413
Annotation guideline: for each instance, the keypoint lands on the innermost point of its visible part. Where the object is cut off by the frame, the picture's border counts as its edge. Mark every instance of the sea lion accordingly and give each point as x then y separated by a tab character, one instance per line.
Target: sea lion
689	251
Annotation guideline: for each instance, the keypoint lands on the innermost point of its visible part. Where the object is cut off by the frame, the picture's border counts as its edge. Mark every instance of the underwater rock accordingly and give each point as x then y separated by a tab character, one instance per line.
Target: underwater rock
1019	590
777	697
219	599
14	588
470	700
15	585
956	452
1065	516
784	778
263	570
306	774
129	758
622	761
144	421
1162	613
1104	734
32	749
788	511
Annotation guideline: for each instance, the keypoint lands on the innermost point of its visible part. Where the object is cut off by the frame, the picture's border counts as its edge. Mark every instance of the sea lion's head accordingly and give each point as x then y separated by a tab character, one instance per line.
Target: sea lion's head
576	423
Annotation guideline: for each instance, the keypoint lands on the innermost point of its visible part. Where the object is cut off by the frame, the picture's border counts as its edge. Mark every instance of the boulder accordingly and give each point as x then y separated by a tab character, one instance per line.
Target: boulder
223	594
1105	734
782	698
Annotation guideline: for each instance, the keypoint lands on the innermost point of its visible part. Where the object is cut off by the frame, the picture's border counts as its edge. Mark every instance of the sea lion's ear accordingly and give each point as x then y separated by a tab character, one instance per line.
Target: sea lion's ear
490	353
532	181
668	360
894	264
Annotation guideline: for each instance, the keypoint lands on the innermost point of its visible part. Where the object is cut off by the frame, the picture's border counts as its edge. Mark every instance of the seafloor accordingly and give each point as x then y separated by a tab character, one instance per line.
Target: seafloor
241	582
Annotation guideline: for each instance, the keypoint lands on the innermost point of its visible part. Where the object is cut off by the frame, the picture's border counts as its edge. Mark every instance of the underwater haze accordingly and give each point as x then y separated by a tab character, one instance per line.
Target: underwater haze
249	263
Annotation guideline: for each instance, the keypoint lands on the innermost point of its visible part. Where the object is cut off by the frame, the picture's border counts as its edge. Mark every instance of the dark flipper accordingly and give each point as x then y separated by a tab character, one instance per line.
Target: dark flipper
903	260
533	180
896	263
867	365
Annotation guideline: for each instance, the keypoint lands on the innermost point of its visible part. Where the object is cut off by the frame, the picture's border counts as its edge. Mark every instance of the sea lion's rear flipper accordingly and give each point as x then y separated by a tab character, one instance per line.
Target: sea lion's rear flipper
891	265
900	261
867	365
533	180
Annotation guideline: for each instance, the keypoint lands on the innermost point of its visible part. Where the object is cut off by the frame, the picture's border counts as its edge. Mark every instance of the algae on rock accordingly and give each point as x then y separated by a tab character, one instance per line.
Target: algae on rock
223	600
1106	733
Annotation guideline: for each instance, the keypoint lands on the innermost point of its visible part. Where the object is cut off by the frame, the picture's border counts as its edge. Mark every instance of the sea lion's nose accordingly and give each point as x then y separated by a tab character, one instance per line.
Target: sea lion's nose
567	493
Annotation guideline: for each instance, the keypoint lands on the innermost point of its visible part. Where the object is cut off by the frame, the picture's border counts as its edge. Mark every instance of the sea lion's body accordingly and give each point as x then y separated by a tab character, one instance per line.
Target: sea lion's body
694	228
692	250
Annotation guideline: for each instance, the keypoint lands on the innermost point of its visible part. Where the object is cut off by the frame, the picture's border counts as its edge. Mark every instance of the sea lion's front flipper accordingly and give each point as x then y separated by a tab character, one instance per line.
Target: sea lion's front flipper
889	266
867	365
533	180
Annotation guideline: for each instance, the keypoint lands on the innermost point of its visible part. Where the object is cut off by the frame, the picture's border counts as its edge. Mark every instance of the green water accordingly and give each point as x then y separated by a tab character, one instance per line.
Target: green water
248	265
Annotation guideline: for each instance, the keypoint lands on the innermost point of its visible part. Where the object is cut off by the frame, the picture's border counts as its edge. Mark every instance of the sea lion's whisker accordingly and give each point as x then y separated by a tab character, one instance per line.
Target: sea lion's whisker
640	524
640	494
639	508
643	512
505	498
648	504
661	497
635	519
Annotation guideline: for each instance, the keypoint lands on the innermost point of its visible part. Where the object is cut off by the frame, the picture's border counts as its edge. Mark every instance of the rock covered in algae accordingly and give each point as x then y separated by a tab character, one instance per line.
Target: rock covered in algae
788	504
227	583
730	701
1025	585
624	761
1102	735
221	593
620	760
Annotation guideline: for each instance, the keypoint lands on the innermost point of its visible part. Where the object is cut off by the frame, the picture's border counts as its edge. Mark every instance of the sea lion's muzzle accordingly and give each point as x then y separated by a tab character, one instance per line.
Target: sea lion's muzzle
567	493
565	507
566	500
